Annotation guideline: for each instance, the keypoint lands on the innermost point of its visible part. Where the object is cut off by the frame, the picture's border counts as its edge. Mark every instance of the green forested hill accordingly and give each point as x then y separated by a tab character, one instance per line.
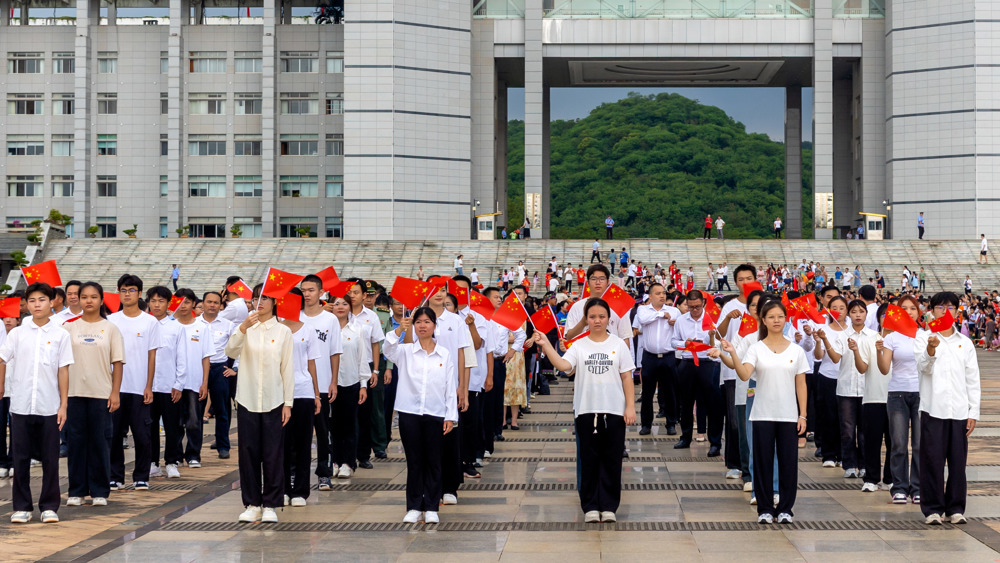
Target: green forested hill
658	164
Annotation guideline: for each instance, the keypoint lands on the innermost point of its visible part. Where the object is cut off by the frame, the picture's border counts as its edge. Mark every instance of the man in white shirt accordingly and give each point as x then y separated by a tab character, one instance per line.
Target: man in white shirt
722	275
371	327
480	381
719	223
474	277
867	294
458	264
984	249
73	308
219	370
598	280
632	272
198	344
595	253
236	307
141	334
709	277
493	410
658	363
848	279
729	326
701	381
168	385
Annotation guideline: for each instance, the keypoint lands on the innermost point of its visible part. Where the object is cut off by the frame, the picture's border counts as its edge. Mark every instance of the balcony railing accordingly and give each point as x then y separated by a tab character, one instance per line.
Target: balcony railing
678	9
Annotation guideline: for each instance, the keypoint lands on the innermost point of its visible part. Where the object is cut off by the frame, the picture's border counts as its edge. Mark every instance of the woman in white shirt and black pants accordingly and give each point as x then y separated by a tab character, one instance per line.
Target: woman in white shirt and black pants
778	415
349	391
427	403
603	404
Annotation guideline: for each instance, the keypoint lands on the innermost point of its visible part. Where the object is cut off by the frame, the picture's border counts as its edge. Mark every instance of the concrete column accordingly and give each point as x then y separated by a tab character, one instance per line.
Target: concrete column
484	111
5	12
24	13
872	119
268	121
199	14
535	184
500	156
847	187
87	15
112	13
176	212
822	98
793	162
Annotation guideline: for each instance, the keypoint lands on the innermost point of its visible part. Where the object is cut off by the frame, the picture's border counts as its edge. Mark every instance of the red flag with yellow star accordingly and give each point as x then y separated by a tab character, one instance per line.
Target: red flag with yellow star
480	304
711	316
112	301
410	292
750	287
511	313
460	293
898	320
10	307
694	348
239	287
748	325
941	324
175	302
619	300
288	306
45	272
278	283
329	277
340	289
544	321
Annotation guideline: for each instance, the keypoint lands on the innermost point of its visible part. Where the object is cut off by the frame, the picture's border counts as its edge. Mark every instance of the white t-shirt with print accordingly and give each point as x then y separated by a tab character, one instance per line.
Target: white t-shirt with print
599	365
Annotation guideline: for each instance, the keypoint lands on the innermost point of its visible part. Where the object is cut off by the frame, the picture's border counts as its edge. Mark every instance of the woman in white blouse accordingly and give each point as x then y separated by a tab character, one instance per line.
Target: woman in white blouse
603	404
349	392
778	414
427	403
264	400
828	339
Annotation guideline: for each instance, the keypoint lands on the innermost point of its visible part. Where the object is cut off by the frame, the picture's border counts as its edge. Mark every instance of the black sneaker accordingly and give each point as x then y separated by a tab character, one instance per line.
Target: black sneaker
644	431
671	430
470	472
365	464
223	454
380	454
661	414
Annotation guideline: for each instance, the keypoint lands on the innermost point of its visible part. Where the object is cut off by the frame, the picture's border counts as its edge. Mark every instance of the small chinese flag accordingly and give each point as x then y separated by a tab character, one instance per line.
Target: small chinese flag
751	286
898	320
340	289
748	325
511	313
942	324
586	292
113	302
10	307
570	342
329	277
544	321
289	306
45	272
410	292
175	302
461	294
712	312
240	288
694	348
619	300
278	283
834	314
810	275
480	304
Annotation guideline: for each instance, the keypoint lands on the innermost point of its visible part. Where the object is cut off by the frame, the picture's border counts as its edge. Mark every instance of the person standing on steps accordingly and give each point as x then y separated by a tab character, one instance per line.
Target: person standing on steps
609	225
708	227
719	223
777	227
458	265
920	226
175	274
984	247
595	252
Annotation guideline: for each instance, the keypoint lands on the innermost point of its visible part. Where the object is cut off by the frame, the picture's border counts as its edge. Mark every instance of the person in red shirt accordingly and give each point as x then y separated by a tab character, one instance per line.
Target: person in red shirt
708	227
580	276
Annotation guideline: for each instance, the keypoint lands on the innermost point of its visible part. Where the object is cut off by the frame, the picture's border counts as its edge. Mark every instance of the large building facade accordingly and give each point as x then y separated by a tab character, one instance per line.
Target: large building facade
393	125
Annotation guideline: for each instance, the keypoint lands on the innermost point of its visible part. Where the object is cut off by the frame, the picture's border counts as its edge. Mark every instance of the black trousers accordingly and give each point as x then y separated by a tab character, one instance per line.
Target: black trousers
875	430
261	457
811	386
481	434
771	437
39	435
321	424
471	423
164	408
134	415
5	446
724	281
390	402
942	441
732	426
364	449
595	255
493	411
609	233
451	461
191	410
852	441
601	441
708	233
422	437
88	436
658	370
298	448
344	427
828	425
920	233
700	383
222	405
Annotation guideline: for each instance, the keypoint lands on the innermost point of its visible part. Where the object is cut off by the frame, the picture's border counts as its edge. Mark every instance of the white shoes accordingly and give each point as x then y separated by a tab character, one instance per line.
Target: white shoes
412	517
4	472
592	517
733	474
344	472
74	501
851	474
154	470
958	518
765	519
431	517
49	517
870	488
99	501
748	487
194	463
172	472
784	518
269	516
298	501
20	517
287	500
933	519
251	514
829	463
608	516
449	499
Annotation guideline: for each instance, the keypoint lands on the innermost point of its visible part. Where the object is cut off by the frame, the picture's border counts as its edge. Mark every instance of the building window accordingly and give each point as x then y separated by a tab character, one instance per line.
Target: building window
334	62
164	62
334	227
250	226
164	103
248	104
25	104
62	186
246	147
298	186
163	227
164	186
164	145
25	63
63	104
299	145
24	186
63	63
299	62
207	227
334	104
107	145
206	145
207	186
207	61
247	186
107	186
25	145
299	103
335	186
290	225
107	227
334	144
107	62
248	62
62	145
207	104
107	104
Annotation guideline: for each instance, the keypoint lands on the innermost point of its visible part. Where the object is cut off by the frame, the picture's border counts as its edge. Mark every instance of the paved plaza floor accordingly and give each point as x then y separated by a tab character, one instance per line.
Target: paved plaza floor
677	506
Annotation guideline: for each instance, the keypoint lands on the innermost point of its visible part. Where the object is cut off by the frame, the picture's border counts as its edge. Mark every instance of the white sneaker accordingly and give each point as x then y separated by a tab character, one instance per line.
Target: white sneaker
269	516
765	519
287	499
449	499
99	501
20	517
958	518
608	516
899	498
298	501
775	498
748	487
194	463
172	472
933	519
344	472
869	488
431	517
4	472
733	474
251	514
753	501
74	501
412	517
592	517
851	474
829	463
784	518
154	470
35	463
50	517
487	455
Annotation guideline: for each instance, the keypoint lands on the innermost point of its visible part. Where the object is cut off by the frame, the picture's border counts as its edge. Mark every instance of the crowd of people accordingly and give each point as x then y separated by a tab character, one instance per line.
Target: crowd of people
790	356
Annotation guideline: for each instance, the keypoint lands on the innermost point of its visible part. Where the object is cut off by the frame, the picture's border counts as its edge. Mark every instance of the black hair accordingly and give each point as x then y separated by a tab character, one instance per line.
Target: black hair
857	303
596	302
755	293
257	289
185	293
745	268
521	287
158	291
867	292
462	279
655	284
453	299
880	314
314	279
837	298
207	293
100	292
763	309
230	281
60	292
72	282
696	294
944	298
598	268
130	281
424	312
40	287
823	291
489	291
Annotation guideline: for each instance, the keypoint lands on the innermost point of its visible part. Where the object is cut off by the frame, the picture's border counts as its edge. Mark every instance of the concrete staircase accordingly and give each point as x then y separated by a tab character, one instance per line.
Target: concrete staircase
206	262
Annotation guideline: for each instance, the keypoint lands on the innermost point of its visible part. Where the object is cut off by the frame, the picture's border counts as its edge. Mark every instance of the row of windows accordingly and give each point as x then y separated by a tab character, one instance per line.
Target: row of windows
62	186
198	62
198	145
291	103
62	62
198	186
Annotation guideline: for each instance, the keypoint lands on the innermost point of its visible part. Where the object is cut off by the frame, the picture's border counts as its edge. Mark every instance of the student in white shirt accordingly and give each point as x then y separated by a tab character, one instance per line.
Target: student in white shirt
236	307
198	350
352	376
659	365
949	409
874	414
458	264
729	327
701	381
778	415
306	353
141	333
218	380
828	341
851	389
168	385
427	403
480	380
895	354
38	353
503	353
603	406
369	322
264	349
598	280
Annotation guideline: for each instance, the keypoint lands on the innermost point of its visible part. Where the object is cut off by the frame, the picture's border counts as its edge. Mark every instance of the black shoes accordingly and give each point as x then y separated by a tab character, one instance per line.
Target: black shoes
671	430
365	464
661	414
499	438
381	454
682	444
223	454
714	451
644	431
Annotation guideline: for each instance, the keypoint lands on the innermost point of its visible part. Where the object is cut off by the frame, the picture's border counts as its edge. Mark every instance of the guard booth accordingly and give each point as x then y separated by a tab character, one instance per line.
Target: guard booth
874	225
486	226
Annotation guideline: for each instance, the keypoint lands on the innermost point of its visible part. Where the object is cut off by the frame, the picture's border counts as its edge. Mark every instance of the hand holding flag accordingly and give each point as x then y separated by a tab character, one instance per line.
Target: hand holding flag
694	348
